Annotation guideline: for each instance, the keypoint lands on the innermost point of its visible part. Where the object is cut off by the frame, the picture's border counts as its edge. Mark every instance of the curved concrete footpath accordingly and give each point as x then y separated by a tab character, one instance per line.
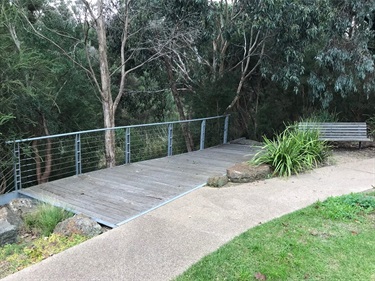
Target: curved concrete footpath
165	242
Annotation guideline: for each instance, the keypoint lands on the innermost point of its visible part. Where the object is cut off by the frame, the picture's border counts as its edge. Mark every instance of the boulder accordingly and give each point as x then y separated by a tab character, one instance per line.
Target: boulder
217	181
244	172
78	224
10	224
22	206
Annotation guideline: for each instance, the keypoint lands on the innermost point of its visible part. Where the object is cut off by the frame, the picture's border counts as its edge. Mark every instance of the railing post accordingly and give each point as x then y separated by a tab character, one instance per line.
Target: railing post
226	124
127	146
170	139
78	156
17	167
203	134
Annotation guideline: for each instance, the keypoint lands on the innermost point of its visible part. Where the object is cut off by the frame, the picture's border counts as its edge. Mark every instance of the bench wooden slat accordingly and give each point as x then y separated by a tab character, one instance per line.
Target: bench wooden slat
340	131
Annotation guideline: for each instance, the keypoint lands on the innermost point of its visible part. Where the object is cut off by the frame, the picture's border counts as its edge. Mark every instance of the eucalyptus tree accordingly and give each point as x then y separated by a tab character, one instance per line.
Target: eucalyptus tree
176	32
91	22
25	75
345	58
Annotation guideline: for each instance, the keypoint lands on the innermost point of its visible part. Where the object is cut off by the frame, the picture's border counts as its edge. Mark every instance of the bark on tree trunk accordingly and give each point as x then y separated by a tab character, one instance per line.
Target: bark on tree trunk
109	136
106	94
42	177
177	99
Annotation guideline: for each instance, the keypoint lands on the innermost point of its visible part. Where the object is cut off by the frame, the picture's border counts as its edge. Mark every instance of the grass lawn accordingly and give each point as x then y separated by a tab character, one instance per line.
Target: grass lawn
330	240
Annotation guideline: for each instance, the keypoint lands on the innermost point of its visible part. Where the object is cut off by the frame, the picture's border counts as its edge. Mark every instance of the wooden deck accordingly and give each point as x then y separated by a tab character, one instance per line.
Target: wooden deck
116	195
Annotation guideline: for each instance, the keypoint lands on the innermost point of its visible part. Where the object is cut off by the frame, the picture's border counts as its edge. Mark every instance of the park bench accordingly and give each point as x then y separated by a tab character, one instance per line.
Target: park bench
339	131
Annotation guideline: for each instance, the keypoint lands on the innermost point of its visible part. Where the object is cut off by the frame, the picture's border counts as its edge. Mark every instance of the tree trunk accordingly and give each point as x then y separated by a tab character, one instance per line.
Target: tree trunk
42	177
107	101
109	136
177	99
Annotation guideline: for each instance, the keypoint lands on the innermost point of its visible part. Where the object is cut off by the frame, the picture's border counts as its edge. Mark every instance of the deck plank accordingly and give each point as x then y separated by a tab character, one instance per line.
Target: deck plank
113	195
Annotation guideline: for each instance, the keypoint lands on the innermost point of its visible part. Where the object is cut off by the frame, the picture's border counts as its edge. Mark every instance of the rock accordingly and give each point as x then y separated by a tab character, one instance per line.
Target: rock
78	224
243	172
22	206
217	181
245	141
10	223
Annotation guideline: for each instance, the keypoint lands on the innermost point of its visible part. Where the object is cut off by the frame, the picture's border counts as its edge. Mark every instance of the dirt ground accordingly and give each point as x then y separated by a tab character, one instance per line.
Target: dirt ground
345	152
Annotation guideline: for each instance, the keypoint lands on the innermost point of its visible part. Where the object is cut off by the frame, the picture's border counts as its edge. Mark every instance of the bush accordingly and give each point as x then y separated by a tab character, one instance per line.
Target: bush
371	123
292	151
321	116
45	218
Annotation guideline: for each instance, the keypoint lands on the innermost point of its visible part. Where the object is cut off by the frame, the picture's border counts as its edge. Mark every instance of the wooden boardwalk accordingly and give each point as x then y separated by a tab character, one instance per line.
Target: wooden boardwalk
116	195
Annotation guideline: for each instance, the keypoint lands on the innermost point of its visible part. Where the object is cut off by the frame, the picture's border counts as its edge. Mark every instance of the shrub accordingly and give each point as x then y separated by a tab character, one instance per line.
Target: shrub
371	123
292	151
321	116
45	218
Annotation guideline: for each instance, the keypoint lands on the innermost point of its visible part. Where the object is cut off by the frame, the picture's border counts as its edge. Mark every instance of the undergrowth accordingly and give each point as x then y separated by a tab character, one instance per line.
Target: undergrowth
14	257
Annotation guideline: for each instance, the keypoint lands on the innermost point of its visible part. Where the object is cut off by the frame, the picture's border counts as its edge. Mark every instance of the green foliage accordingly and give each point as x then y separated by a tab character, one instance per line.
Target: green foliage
45	219
15	257
292	151
345	64
321	116
371	123
346	207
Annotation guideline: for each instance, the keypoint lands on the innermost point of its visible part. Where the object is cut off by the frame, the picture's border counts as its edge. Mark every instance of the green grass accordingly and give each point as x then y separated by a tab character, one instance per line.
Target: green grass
326	241
45	219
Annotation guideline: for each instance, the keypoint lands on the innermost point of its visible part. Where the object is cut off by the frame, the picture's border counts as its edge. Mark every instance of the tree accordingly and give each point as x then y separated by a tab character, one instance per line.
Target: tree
93	21
344	62
177	28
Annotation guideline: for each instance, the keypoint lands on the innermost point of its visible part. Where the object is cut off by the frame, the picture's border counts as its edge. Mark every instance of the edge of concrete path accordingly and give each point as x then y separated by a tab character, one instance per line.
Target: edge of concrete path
165	242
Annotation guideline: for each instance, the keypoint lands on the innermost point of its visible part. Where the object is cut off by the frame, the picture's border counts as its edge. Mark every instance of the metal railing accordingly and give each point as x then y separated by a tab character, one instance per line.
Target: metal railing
40	159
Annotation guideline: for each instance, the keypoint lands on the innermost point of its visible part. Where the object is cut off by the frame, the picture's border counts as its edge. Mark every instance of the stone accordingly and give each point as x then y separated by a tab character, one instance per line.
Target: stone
78	224
10	224
244	172
217	181
245	141
22	206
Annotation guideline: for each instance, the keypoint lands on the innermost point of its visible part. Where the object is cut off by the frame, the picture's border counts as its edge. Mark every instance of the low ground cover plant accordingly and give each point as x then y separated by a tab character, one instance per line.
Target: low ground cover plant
292	151
305	245
38	242
14	257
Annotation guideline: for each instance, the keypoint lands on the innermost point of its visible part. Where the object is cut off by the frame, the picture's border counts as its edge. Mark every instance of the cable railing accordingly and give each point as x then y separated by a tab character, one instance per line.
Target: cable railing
33	161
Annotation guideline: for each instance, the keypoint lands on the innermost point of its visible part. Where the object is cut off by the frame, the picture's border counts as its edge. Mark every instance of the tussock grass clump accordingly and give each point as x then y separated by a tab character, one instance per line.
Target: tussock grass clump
292	151
45	219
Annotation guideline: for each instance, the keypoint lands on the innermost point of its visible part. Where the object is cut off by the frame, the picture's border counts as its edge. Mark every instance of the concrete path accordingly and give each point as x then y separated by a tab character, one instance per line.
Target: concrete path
163	243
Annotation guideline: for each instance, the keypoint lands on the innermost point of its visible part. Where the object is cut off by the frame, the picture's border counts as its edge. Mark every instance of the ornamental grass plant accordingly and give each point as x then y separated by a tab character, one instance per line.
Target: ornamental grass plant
293	151
45	219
